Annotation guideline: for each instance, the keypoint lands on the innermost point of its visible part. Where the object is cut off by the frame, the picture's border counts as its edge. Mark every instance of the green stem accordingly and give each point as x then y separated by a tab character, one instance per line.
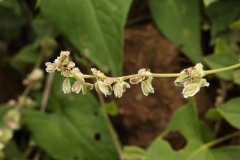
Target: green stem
168	74
221	139
212	143
140	75
222	69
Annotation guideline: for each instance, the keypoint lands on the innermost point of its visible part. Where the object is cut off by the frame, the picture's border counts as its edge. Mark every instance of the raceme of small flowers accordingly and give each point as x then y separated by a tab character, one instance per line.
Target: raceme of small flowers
191	79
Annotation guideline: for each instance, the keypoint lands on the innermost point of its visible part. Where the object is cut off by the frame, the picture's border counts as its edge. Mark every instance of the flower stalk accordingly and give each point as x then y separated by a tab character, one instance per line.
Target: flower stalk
191	79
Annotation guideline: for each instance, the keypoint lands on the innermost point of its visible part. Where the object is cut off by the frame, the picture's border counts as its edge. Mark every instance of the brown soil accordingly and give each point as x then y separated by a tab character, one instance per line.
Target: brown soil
142	118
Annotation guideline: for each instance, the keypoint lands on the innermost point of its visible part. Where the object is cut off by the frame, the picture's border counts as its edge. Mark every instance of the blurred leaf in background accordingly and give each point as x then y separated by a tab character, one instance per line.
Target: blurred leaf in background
94	27
174	21
185	121
75	130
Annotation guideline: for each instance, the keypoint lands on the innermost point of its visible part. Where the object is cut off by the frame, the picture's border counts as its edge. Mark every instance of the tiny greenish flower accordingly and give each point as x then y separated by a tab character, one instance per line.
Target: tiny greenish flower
180	80
119	88
12	119
199	68
58	61
66	73
101	87
5	134
77	86
78	75
109	81
37	74
190	90
51	67
1	146
146	86
98	73
135	80
30	103
64	55
66	86
71	64
86	87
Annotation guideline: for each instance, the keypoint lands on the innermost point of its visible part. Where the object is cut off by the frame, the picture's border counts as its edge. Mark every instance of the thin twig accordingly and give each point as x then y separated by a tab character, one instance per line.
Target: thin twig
111	129
46	92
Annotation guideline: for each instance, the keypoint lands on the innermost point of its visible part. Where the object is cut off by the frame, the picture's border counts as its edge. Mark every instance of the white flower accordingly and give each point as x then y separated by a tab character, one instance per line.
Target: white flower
77	86
51	67
147	86
66	86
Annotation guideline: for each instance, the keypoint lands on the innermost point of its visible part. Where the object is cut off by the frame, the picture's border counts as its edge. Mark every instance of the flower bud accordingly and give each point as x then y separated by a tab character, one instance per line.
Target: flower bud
101	87
78	75
12	119
36	74
98	73
109	81
71	64
118	89
86	87
1	146
135	80
66	86
147	87
64	55
5	135
77	86
51	67
190	90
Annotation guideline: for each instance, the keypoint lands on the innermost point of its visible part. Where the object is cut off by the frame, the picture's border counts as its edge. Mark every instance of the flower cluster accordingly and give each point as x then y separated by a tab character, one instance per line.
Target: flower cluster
146	81
11	121
35	78
192	80
68	70
103	84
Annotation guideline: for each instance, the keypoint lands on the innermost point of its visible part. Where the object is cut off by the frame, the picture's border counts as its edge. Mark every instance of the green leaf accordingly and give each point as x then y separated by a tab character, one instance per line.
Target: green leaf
133	153
94	27
11	151
216	61
206	133
222	14
213	114
29	53
221	47
43	27
75	130
186	122
172	18
231	112
236	78
13	4
235	25
111	108
208	2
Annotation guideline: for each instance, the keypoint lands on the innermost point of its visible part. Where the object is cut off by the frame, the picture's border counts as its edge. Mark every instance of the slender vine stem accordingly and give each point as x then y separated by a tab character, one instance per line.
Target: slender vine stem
167	74
214	142
222	69
221	139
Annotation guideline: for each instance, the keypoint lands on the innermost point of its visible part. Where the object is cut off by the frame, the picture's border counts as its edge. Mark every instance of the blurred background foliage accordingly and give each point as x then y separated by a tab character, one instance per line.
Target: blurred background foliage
76	127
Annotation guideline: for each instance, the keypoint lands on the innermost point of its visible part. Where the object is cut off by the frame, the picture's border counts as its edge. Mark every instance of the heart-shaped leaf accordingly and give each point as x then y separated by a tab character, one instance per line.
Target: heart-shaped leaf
172	18
95	27
75	130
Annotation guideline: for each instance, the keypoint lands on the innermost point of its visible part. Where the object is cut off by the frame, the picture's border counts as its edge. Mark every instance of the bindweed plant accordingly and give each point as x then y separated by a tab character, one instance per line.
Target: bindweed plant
191	79
77	126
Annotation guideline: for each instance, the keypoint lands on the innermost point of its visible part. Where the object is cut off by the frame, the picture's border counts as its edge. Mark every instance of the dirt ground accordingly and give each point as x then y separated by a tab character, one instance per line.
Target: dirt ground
142	118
